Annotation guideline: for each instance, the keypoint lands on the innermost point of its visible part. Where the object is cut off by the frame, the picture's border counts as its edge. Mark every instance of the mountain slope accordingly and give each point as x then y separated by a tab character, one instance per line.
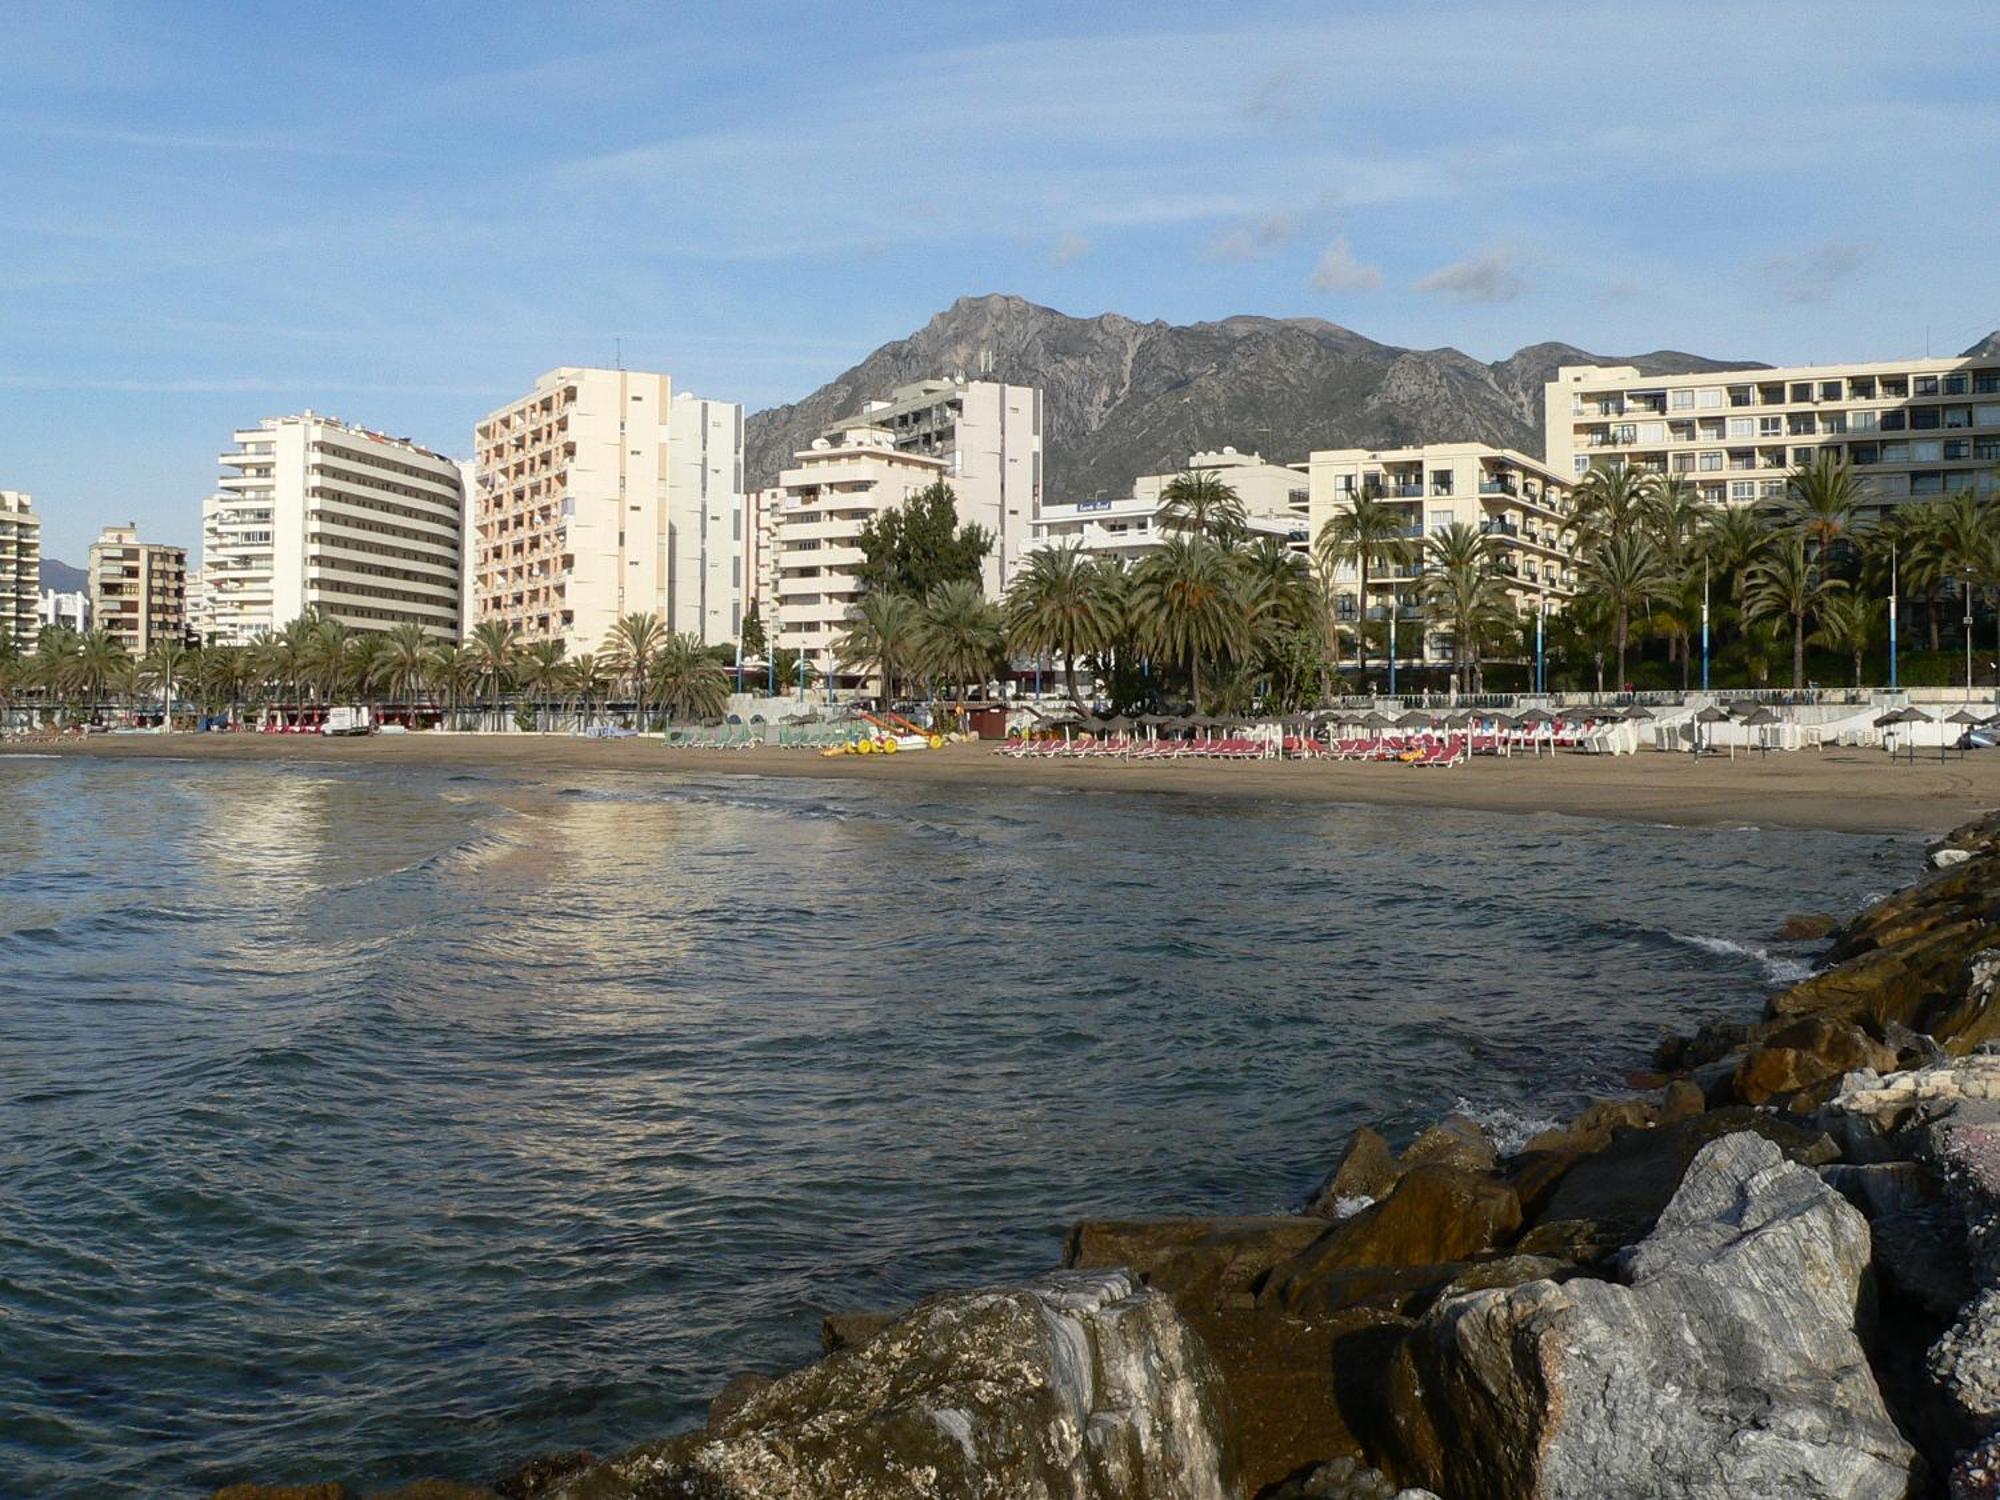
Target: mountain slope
1123	398
61	577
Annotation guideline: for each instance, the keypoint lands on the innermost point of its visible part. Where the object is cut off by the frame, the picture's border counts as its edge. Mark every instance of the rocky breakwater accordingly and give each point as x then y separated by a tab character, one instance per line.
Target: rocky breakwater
1777	1274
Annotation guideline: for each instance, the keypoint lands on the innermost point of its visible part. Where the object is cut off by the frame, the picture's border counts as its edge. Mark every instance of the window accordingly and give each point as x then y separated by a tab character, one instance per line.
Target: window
1956	385
1863	421
1683	400
1958	416
1926	385
1957	448
1742	427
1711	463
1652	432
1927	484
1833	422
1743	489
1803	456
1441	520
1925	451
1829	390
1986	449
1895	453
1863	453
1770	427
1925	419
1986	383
1802	390
1709	399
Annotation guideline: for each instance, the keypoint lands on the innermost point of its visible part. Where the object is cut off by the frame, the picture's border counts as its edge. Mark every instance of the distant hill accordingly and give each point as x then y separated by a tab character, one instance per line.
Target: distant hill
61	577
1986	348
1123	398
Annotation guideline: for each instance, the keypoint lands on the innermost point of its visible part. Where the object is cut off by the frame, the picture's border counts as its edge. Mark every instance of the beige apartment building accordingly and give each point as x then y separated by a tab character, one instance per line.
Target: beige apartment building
1275	498
138	590
988	435
1523	504
20	569
833	490
761	509
1913	429
312	513
600	494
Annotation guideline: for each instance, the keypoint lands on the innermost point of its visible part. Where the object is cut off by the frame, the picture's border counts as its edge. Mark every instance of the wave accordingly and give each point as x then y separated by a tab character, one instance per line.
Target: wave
1509	1129
1778	968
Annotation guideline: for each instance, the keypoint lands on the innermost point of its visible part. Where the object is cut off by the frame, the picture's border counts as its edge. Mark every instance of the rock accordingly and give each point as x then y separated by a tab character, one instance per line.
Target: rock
1968	1018
1965	1363
1805	929
850	1330
1366	1170
281	1492
1198	1262
734	1396
1343	1479
1622	1189
1944	859
1578	1241
540	1474
1681	1100
1079	1386
1976	1474
436	1489
1454	1141
1728	1369
1803	1054
1592	1130
1712	1041
1435	1215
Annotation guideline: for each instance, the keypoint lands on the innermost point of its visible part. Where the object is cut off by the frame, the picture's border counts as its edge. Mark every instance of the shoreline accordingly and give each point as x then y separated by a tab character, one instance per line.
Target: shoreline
1839	791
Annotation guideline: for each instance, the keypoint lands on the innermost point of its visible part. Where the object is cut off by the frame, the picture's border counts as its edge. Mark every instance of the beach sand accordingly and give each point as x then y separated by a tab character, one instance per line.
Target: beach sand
1857	791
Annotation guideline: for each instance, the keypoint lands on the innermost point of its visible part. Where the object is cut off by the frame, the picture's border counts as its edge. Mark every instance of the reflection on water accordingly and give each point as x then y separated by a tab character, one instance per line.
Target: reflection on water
376	1122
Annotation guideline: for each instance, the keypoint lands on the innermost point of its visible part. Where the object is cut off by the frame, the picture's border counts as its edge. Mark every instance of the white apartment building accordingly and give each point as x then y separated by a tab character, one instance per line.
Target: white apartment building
312	513
200	612
138	590
602	494
1523	504
1275	501
20	568
989	437
761	509
1913	428
65	611
833	490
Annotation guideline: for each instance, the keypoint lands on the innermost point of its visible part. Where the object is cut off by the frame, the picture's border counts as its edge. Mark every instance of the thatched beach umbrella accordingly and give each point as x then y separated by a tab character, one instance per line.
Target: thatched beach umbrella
1636	713
1416	718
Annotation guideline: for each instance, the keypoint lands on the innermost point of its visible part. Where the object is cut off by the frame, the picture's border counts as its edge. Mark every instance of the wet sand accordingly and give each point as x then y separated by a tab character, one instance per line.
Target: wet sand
1857	791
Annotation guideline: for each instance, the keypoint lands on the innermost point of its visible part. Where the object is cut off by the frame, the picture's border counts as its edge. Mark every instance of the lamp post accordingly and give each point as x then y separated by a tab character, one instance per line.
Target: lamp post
1393	606
1967	570
1892	616
1541	657
1704	624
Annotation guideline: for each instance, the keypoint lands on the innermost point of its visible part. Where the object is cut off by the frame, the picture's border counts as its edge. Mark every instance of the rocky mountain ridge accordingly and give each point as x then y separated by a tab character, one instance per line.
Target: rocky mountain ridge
1123	398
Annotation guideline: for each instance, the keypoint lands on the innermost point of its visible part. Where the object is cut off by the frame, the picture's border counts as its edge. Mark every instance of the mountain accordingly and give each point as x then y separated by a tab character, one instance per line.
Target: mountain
61	577
1123	398
1986	348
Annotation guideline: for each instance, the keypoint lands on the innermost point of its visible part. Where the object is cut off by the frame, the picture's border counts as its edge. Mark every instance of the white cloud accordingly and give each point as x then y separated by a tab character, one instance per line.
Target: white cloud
1490	276
1812	275
1258	240
1070	248
1339	271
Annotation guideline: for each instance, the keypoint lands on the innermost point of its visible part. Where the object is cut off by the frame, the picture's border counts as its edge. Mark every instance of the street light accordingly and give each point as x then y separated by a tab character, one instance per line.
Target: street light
1967	571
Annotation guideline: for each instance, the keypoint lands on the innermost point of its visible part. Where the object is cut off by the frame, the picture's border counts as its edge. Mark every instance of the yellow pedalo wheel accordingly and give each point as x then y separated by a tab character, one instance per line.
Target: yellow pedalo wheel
890	747
937	742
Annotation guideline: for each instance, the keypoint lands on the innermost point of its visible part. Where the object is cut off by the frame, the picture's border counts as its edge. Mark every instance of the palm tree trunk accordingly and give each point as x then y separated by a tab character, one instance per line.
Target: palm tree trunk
1624	633
1069	679
1361	635
1194	674
1798	652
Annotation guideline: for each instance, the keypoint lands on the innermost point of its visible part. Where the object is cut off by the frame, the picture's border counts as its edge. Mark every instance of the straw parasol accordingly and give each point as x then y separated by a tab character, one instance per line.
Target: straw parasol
1416	718
1911	715
1761	717
1536	716
1712	715
1636	713
1965	716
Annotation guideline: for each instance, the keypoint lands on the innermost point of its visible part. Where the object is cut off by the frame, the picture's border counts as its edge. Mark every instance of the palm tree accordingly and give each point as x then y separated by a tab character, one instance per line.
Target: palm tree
1847	623
1368	531
961	634
1187	605
491	652
1201	502
164	663
98	661
402	663
629	651
1673	515
1060	605
687	681
591	682
452	669
1611	504
1820	502
1459	587
1625	571
885	631
537	670
1787	582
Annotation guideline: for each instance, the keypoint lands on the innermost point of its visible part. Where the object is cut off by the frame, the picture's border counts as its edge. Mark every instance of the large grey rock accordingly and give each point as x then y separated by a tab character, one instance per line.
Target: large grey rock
1076	1387
1727	1369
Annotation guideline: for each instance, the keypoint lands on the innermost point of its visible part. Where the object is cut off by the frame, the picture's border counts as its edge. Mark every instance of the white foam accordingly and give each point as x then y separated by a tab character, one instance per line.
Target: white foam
1507	1128
1778	969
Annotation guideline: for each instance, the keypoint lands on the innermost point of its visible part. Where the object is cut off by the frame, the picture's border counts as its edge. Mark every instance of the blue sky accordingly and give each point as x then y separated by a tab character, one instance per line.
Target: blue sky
402	214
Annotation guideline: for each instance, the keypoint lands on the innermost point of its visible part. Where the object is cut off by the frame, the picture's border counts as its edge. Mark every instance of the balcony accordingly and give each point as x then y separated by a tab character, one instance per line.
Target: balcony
1497	487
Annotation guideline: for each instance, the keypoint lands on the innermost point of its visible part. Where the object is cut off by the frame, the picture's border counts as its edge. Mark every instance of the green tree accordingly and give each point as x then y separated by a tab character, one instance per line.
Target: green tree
1626	573
400	667
1061	604
1368	532
491	653
687	681
1785	582
629	651
1187	606
1847	623
912	548
886	632
1611	504
538	673
1200	502
164	665
753	632
1820	502
961	634
1460	590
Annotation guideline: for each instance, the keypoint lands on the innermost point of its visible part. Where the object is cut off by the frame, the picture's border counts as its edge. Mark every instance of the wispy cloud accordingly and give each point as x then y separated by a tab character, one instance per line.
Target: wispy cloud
169	140
1812	275
1258	240
1339	271
1490	276
1068	249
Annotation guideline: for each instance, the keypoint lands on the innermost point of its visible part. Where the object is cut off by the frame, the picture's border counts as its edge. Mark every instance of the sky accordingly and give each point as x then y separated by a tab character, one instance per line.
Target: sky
402	214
